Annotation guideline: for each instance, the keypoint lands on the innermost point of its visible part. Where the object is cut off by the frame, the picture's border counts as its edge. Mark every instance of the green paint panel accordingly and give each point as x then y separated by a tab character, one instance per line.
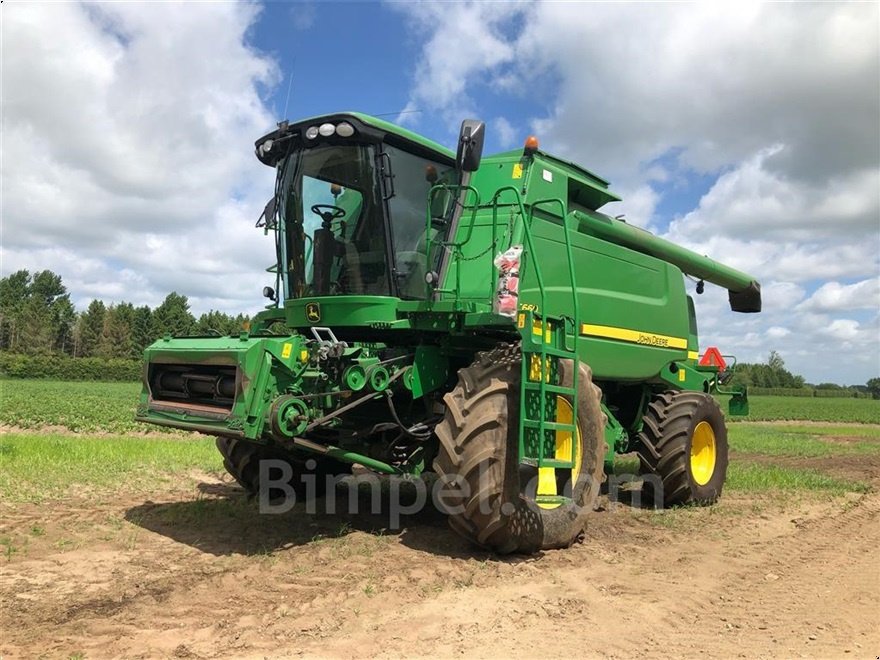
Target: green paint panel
430	370
335	311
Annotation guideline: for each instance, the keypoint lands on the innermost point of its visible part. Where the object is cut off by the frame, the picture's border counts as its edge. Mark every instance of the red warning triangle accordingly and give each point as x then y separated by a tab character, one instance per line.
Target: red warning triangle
712	358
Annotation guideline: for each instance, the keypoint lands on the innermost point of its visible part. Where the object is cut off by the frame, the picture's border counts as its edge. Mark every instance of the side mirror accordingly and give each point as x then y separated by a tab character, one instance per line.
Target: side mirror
267	218
470	145
269	292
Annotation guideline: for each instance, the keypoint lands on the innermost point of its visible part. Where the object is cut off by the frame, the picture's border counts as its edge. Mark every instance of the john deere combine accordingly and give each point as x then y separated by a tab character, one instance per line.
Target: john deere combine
478	317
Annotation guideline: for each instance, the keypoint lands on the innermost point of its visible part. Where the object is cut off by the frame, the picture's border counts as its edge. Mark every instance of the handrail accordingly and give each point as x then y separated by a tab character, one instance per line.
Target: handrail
526	232
571	271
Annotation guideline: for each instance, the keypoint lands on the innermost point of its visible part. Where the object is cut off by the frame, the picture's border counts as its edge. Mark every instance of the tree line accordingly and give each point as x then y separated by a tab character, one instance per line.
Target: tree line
774	376
771	374
38	318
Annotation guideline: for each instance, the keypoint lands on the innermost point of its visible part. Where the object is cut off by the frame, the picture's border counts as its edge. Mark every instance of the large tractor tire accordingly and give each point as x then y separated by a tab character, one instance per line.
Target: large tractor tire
242	458
683	446
489	496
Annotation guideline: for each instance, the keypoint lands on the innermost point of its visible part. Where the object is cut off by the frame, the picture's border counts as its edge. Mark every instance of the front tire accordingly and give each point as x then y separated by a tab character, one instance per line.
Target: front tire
242	459
683	446
492	497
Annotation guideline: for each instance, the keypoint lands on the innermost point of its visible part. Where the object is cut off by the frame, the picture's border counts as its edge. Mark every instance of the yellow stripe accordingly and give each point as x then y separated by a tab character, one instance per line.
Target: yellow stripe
633	336
693	355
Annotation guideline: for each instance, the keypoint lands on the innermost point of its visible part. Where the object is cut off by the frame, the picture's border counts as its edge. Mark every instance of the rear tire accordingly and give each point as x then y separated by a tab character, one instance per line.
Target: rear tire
683	445
489	496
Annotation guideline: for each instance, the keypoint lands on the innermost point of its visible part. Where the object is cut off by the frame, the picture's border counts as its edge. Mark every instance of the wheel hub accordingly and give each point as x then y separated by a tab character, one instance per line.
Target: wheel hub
703	453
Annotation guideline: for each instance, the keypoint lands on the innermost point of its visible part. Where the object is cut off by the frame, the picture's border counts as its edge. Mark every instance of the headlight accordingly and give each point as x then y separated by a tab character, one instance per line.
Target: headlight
345	129
311	132
327	130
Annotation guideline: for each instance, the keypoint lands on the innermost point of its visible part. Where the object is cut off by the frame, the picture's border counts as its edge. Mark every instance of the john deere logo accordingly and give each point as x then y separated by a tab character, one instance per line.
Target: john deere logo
313	312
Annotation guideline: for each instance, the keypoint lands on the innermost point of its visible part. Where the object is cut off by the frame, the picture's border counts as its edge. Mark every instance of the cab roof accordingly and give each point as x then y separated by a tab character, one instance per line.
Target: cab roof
587	187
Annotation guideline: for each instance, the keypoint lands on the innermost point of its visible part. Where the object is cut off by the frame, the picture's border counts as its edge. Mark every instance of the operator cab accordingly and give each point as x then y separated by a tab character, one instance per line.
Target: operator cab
349	207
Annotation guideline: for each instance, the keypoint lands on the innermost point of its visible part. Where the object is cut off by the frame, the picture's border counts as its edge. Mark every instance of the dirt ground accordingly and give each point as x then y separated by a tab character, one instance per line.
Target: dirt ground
191	571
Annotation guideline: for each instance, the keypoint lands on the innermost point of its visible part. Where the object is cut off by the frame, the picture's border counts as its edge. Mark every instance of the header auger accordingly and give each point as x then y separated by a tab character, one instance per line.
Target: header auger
475	317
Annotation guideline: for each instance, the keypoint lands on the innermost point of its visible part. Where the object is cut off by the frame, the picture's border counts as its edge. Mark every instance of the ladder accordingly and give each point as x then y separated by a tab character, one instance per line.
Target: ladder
547	439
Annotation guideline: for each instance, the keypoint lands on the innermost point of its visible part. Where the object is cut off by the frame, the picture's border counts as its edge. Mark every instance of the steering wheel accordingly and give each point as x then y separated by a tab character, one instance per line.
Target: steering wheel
328	212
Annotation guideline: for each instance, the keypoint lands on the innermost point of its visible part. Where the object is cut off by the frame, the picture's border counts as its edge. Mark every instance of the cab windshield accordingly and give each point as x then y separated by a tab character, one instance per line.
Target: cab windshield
333	237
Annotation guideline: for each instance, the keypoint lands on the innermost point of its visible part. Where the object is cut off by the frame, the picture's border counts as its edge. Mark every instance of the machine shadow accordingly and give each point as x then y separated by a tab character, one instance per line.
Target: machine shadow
632	491
222	519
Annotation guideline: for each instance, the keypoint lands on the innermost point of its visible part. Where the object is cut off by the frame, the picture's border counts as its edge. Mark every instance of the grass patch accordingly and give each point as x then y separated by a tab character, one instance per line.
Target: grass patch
801	440
862	431
752	478
626	464
36	466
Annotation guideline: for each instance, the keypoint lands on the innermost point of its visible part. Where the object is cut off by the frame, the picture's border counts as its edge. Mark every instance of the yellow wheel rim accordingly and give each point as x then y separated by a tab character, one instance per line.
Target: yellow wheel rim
548	483
703	453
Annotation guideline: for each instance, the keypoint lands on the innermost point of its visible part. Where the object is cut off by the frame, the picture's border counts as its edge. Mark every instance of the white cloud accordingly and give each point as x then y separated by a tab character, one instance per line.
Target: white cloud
505	131
755	202
781	295
834	297
718	81
303	15
841	329
465	43
784	260
638	205
131	131
777	332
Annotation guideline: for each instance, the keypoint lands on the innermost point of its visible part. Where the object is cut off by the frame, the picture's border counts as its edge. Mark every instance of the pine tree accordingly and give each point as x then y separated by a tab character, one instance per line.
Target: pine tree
36	315
13	296
141	331
173	317
36	328
219	323
91	328
116	334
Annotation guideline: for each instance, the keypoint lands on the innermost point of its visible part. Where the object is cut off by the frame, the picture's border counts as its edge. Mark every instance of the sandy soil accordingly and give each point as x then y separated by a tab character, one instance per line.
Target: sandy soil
193	572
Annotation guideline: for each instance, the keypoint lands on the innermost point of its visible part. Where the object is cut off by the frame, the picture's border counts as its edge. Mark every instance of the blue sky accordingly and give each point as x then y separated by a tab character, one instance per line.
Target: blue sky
745	131
342	56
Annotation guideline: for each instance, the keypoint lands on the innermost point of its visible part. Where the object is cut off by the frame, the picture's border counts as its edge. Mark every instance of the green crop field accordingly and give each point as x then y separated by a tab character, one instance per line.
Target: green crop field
81	407
776	408
109	407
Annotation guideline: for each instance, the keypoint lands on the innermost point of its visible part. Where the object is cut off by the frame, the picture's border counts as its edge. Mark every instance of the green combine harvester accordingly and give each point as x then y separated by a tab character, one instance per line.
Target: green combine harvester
474	317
